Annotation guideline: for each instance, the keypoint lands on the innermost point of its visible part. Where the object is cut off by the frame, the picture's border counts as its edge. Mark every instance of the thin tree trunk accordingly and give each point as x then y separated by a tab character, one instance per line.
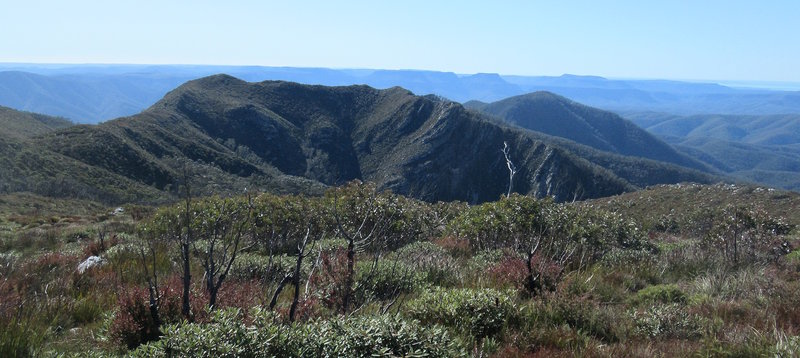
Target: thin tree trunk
154	305
351	258
296	283
187	280
531	279
278	291
185	254
212	295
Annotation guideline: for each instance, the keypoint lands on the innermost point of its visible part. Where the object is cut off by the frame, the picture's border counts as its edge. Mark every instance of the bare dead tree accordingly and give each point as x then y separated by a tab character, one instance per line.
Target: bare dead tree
512	169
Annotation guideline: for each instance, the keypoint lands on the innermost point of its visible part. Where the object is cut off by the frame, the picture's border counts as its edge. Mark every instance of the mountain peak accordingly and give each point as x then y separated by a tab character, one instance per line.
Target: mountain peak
571	76
214	81
486	75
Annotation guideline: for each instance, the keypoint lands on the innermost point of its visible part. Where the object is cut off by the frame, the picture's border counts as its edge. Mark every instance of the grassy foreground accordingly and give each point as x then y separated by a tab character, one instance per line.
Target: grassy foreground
683	270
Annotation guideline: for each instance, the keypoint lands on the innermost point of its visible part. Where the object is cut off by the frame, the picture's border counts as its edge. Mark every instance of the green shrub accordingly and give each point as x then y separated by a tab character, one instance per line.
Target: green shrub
224	336
478	312
432	261
519	222
250	266
377	336
787	346
485	259
793	258
746	234
666	321
602	323
660	294
18	338
497	224
364	336
86	310
754	344
386	279
8	262
618	257
750	283
134	325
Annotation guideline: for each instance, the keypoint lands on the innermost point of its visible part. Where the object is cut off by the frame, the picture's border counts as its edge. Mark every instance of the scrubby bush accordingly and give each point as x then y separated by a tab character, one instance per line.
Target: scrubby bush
86	310
787	346
660	294
249	266
793	258
396	220
746	235
18	338
509	271
749	283
666	321
504	223
386	279
585	316
432	261
482	260
224	336
377	336
622	258
479	313
552	239
227	335
134	324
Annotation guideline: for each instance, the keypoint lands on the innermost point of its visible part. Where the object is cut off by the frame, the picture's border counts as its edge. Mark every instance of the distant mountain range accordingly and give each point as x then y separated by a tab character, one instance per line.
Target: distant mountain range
227	134
763	149
95	93
758	140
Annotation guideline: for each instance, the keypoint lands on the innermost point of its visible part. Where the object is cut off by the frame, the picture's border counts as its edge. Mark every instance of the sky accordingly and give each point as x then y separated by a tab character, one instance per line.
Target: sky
671	39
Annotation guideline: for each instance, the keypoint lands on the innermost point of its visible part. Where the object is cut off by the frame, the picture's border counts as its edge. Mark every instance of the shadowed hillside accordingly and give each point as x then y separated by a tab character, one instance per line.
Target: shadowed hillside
228	135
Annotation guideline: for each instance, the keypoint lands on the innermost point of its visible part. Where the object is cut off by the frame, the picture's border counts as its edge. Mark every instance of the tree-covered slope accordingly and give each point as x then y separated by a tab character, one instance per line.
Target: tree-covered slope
226	135
558	116
781	129
19	125
760	149
425	147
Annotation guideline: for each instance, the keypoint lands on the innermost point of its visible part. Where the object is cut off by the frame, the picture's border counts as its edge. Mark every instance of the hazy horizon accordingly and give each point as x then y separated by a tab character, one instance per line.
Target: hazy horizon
712	40
744	84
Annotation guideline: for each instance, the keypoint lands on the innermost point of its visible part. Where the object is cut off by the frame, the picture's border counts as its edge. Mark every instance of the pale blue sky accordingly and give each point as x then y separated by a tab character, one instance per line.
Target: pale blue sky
707	40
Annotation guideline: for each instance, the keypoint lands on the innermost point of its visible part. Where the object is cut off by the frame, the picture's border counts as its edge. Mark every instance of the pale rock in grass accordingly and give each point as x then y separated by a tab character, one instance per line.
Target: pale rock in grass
91	261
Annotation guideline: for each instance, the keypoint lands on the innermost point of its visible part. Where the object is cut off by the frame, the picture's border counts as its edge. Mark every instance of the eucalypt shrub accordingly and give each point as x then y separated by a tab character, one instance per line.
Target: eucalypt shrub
479	313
